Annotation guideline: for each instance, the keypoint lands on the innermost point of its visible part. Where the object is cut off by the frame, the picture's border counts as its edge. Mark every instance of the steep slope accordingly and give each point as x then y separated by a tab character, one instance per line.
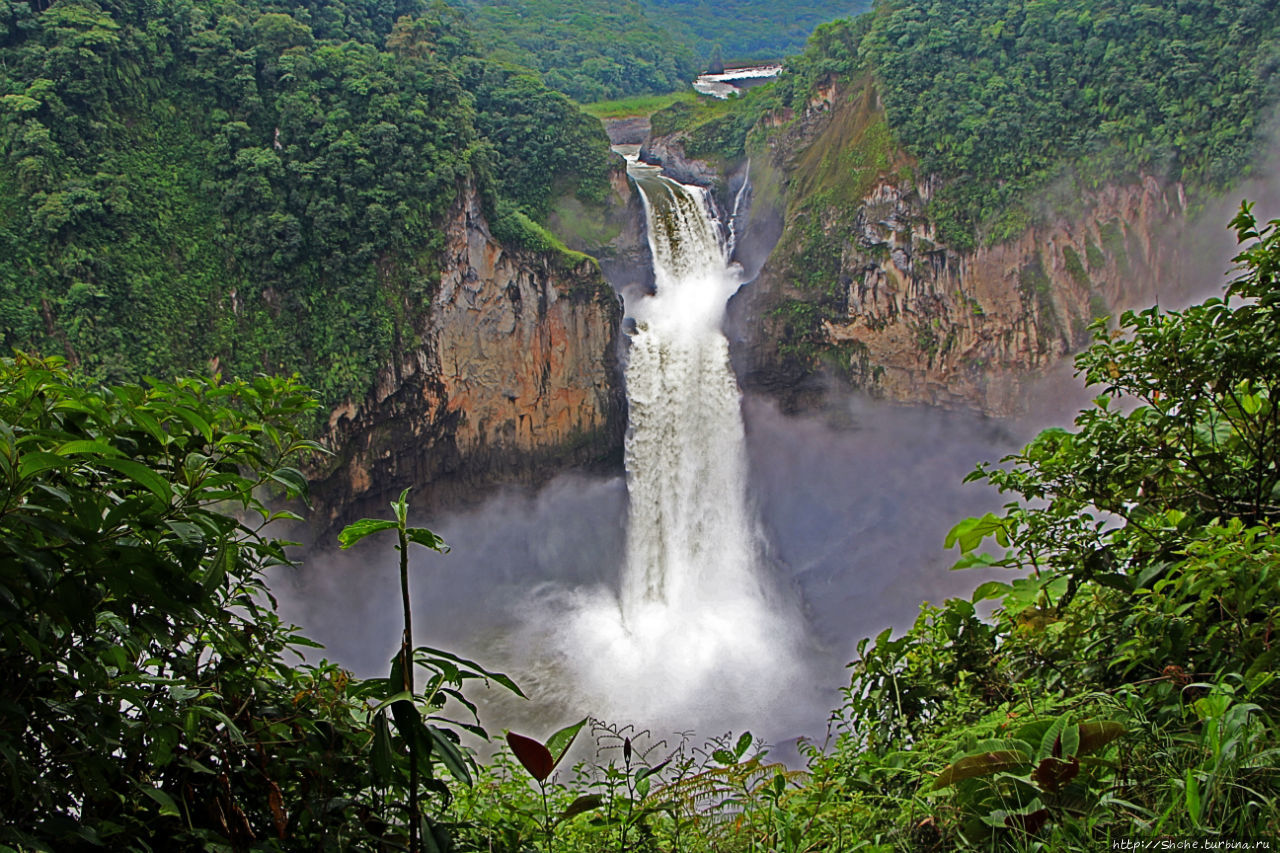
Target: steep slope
234	188
862	284
513	374
960	200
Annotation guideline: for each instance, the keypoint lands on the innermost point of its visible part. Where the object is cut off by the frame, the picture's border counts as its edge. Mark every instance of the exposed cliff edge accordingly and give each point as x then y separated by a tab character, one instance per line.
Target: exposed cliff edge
513	374
859	284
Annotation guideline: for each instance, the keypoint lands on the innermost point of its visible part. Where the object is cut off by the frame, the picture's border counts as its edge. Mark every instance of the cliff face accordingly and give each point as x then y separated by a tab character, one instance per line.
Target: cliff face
860	285
513	373
911	320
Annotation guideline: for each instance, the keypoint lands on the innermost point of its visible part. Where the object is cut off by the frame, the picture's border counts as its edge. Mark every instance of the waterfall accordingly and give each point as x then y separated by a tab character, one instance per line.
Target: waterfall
690	541
695	628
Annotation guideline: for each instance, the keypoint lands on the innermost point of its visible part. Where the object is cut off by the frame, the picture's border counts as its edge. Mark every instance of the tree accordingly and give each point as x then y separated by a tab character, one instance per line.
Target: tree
716	64
153	705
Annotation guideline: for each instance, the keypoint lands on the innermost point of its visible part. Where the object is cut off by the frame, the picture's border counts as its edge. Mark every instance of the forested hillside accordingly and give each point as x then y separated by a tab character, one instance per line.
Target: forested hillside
595	49
1001	99
966	186
749	30
255	186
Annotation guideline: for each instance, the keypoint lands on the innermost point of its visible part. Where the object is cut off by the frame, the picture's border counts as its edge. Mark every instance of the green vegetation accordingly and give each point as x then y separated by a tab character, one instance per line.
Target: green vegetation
597	50
591	51
748	30
1125	684
245	188
155	704
1003	98
639	105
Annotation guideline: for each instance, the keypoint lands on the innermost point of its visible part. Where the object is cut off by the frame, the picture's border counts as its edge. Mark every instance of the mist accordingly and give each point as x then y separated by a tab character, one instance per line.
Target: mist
852	505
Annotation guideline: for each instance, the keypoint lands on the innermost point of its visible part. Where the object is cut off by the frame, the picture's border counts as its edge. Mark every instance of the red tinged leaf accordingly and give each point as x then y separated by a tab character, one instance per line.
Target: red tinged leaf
1028	823
1054	774
982	764
1096	734
535	757
276	801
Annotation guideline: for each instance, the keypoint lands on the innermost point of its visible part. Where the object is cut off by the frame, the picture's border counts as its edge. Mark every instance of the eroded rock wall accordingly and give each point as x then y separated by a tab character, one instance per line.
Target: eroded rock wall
905	317
512	374
921	323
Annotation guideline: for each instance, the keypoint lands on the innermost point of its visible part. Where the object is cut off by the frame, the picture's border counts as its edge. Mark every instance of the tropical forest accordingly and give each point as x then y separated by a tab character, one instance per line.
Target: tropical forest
511	426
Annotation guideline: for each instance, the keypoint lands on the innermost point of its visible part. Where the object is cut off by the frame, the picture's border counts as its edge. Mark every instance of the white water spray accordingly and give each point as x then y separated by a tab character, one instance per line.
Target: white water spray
695	631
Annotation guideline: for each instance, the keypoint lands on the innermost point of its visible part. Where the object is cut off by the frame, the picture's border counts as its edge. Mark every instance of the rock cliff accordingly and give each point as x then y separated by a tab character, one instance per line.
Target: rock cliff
859	284
512	374
907	318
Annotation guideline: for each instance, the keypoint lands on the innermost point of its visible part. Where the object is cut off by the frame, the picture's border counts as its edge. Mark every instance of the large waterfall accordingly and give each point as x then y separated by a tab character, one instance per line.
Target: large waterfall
691	547
695	625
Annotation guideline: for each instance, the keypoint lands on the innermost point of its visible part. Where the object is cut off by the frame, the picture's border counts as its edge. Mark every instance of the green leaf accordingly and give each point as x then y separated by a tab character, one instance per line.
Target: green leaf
432	654
401	507
990	589
1194	803
582	804
969	533
143	476
450	756
381	757
96	446
168	808
196	422
409	724
354	532
36	461
558	744
425	537
294	482
646	772
744	743
1051	741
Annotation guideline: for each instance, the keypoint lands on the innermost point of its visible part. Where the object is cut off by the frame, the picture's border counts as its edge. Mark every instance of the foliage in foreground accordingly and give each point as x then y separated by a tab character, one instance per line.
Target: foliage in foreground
1125	684
154	701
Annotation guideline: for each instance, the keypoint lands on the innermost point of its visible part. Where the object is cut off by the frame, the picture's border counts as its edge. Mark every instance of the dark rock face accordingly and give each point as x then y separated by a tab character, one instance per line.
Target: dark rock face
627	131
513	375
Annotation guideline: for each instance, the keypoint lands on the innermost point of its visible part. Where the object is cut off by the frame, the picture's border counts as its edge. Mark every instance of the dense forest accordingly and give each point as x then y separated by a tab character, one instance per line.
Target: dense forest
1125	684
255	186
598	50
1003	99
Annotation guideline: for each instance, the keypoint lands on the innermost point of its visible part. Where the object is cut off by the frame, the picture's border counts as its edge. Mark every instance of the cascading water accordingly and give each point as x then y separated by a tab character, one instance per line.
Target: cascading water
690	541
695	628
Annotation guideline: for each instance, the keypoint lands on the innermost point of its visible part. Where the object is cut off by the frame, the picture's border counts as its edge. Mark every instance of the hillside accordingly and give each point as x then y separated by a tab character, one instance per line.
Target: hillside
229	187
598	50
945	233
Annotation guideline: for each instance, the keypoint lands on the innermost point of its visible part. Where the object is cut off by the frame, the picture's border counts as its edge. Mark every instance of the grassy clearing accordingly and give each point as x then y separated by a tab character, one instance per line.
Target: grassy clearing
639	105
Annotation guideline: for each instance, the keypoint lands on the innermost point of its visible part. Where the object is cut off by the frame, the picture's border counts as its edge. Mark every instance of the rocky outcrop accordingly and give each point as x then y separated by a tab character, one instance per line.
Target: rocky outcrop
512	375
866	290
918	322
668	152
613	232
